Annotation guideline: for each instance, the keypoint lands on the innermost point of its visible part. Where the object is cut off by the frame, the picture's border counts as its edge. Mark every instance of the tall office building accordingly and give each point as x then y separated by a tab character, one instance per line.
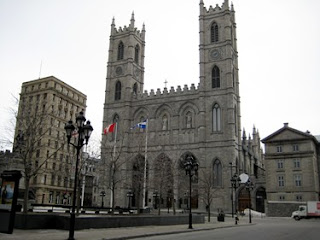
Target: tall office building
46	159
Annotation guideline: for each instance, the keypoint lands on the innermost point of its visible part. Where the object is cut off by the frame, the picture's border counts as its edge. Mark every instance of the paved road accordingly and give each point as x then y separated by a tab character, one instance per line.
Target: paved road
262	229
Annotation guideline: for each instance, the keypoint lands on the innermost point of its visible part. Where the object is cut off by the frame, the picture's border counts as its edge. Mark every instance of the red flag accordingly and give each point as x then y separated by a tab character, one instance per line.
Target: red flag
109	128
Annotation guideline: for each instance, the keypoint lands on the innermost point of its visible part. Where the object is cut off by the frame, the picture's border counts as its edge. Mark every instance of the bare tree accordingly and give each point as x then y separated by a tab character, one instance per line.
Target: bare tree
113	162
33	127
163	179
207	190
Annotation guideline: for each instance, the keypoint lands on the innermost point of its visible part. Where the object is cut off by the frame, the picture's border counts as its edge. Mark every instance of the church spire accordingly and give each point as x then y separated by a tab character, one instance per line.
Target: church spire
132	20
225	5
113	25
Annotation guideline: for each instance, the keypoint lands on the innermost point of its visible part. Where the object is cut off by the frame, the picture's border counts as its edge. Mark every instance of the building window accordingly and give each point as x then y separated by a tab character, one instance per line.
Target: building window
58	198
118	91
120	51
215	77
281	181
295	148
216	118
297	180
135	88
188	120
214	33
217	173
282	198
296	163
279	149
53	179
50	197
299	198
280	164
136	53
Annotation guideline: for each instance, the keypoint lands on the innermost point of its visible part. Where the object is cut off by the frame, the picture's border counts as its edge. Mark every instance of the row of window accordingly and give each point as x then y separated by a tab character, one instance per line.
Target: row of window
295	148
215	84
297	179
54	181
296	163
120	54
58	198
57	86
189	120
298	198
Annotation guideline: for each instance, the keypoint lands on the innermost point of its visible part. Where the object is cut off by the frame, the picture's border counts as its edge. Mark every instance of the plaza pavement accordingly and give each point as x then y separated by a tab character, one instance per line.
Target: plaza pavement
120	233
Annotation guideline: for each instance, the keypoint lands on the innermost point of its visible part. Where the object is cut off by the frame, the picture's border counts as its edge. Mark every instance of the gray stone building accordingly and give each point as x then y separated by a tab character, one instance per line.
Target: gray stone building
292	162
201	121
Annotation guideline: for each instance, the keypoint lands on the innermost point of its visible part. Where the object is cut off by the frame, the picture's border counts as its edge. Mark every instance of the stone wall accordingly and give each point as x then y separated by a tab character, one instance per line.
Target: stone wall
281	208
56	221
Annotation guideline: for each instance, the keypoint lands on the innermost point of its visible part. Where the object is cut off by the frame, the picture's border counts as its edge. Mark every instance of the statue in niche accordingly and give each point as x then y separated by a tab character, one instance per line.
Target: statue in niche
164	123
189	120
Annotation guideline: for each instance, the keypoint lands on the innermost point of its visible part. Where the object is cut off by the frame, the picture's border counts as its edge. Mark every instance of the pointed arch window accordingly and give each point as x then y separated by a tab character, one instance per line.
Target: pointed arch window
215	77
117	95
120	51
136	54
214	33
216	118
217	173
135	88
188	120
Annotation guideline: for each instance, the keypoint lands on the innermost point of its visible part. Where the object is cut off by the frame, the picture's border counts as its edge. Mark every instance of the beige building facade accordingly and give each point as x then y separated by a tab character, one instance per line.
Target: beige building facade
47	160
292	162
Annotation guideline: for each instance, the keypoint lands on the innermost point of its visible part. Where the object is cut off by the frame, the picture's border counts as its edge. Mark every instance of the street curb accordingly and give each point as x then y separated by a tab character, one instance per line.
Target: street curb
173	232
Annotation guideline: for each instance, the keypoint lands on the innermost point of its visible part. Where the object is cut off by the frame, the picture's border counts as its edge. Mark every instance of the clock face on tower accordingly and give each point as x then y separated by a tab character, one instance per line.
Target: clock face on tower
215	54
119	70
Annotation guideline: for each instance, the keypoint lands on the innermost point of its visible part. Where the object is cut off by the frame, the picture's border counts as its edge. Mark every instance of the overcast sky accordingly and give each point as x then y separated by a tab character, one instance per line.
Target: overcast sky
278	45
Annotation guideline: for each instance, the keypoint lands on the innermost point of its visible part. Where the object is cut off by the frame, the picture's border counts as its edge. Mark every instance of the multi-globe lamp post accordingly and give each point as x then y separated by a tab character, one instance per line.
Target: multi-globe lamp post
83	131
235	182
102	195
249	186
191	167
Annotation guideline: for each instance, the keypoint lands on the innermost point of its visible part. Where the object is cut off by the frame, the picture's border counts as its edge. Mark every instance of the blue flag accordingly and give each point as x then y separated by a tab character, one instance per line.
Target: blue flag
142	125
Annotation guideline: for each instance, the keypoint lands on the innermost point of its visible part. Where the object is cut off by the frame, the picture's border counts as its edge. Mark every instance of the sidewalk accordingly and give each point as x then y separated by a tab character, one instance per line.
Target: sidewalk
118	233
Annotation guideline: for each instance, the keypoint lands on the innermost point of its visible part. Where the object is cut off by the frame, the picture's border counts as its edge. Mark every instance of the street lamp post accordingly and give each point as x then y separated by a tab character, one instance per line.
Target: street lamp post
191	167
231	190
155	195
102	195
129	195
235	180
84	130
249	187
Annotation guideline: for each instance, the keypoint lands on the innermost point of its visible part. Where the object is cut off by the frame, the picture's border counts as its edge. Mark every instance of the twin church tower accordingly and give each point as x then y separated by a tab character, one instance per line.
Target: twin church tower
200	121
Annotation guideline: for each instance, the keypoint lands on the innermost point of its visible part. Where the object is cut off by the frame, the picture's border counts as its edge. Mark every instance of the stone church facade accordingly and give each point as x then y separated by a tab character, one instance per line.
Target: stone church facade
202	122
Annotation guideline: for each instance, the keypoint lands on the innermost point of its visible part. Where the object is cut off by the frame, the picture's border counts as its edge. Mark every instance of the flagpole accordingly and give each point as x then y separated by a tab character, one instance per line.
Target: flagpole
112	165
145	168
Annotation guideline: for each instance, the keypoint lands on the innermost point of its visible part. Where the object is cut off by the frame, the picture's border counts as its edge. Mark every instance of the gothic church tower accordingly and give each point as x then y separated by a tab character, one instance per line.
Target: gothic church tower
219	83
201	122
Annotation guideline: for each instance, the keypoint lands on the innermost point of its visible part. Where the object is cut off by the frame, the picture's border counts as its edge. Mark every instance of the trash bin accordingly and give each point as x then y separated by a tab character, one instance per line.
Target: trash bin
220	217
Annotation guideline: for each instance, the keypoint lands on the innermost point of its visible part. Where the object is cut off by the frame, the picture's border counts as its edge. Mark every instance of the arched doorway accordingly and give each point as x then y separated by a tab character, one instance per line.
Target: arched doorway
138	181
163	180
243	199
260	199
